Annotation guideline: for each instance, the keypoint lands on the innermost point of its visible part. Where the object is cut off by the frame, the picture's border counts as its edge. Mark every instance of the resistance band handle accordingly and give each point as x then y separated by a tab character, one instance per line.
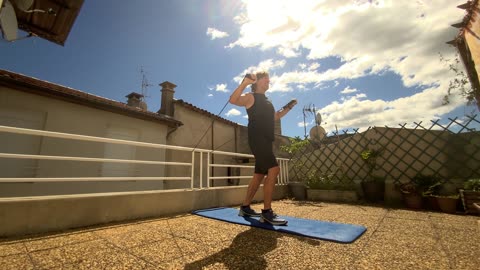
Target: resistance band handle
250	76
290	104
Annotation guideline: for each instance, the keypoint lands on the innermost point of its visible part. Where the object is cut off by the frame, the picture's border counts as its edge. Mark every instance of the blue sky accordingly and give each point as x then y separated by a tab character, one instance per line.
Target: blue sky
361	63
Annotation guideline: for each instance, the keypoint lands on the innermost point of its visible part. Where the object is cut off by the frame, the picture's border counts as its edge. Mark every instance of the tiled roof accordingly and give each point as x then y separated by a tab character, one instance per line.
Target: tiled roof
205	112
40	87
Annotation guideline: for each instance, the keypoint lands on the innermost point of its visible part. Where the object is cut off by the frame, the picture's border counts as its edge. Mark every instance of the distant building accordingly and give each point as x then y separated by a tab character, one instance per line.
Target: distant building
28	102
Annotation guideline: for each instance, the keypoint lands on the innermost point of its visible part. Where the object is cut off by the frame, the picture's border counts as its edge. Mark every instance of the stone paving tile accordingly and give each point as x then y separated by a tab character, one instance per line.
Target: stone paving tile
16	262
158	252
8	248
444	221
462	247
120	229
407	226
135	238
69	254
57	240
393	250
395	239
114	259
408	214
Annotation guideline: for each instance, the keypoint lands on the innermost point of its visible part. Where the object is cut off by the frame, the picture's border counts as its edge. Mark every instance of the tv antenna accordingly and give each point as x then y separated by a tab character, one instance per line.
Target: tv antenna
310	109
145	84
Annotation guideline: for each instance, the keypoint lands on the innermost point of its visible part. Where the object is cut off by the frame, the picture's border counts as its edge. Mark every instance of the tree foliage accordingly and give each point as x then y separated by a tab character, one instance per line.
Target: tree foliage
460	82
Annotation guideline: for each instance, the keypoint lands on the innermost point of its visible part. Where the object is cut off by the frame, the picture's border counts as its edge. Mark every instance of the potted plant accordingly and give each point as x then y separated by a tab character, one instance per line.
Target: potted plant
411	196
470	194
447	203
412	191
327	187
430	194
373	186
297	187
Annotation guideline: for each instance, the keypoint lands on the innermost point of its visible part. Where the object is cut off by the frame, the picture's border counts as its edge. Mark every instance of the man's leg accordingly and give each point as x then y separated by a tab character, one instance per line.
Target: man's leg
269	185
267	213
253	187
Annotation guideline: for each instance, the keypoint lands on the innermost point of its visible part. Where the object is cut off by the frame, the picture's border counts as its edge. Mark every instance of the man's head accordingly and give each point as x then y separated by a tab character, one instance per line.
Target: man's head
263	82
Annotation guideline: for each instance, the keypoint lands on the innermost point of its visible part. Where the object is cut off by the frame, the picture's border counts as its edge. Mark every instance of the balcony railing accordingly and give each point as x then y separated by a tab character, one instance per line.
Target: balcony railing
190	165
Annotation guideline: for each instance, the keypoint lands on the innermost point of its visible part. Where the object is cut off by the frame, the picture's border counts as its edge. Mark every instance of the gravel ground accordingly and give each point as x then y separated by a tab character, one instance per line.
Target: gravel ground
395	239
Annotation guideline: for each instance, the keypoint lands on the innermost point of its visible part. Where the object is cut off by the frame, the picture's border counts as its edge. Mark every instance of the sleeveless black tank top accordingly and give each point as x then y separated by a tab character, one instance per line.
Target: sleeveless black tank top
261	118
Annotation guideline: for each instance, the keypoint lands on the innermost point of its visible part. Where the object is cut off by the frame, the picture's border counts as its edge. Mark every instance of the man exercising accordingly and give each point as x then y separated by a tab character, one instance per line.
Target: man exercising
261	121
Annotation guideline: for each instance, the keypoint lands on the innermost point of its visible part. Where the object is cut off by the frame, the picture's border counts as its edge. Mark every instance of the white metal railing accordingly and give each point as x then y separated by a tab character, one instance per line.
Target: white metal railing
283	163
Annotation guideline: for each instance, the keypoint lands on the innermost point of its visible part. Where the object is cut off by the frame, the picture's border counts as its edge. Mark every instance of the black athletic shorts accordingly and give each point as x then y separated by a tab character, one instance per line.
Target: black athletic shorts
262	149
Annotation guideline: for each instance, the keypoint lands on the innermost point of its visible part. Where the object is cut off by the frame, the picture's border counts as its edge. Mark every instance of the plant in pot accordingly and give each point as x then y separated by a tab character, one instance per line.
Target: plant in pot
373	186
470	195
447	203
296	187
328	187
438	198
411	196
430	196
413	190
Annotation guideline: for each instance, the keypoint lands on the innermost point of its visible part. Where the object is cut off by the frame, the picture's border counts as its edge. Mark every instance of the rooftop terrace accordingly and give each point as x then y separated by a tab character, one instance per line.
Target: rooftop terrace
395	239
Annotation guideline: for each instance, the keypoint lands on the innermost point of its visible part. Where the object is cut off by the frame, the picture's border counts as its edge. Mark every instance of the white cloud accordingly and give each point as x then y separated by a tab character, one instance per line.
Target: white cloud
288	52
214	33
302	124
314	66
267	65
210	95
348	90
357	113
233	112
370	38
221	88
360	96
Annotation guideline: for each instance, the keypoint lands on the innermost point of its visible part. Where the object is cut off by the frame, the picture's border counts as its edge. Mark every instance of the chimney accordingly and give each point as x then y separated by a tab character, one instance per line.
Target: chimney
135	100
278	127
168	89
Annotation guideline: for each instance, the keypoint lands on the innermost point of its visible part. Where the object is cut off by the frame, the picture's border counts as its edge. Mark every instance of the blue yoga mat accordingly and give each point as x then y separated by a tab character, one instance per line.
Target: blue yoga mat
338	232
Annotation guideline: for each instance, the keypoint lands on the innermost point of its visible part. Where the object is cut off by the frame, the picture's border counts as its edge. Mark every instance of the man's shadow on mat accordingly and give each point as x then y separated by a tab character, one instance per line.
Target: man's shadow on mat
246	251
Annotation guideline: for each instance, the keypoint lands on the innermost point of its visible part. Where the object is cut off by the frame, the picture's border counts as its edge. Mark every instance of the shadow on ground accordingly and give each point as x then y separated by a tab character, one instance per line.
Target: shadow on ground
247	251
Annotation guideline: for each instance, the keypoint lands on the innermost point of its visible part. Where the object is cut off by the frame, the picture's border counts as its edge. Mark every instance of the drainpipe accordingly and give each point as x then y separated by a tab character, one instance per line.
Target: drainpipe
213	158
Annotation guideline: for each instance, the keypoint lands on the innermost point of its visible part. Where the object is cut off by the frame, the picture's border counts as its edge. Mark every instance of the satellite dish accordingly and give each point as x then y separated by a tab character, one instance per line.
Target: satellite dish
23	4
317	133
318	119
8	22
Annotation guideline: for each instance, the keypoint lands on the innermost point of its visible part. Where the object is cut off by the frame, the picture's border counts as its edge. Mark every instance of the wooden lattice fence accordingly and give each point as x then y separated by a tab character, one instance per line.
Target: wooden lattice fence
446	151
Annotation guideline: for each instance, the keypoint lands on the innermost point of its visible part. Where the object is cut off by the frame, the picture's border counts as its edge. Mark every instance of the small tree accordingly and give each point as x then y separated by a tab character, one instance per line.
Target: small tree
370	157
460	82
296	145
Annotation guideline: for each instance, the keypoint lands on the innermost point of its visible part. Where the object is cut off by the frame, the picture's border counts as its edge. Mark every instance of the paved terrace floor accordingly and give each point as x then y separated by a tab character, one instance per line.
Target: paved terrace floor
395	239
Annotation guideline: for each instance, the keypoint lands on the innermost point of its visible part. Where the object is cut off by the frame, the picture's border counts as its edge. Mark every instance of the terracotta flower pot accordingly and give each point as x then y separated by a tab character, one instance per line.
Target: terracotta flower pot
447	205
413	200
373	191
432	203
298	190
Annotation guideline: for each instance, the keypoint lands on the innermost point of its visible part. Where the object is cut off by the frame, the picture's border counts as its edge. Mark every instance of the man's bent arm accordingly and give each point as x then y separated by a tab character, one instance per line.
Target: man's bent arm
237	98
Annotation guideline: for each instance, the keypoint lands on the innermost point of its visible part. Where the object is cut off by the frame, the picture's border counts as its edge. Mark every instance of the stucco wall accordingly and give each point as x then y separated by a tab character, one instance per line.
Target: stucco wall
21	109
23	216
